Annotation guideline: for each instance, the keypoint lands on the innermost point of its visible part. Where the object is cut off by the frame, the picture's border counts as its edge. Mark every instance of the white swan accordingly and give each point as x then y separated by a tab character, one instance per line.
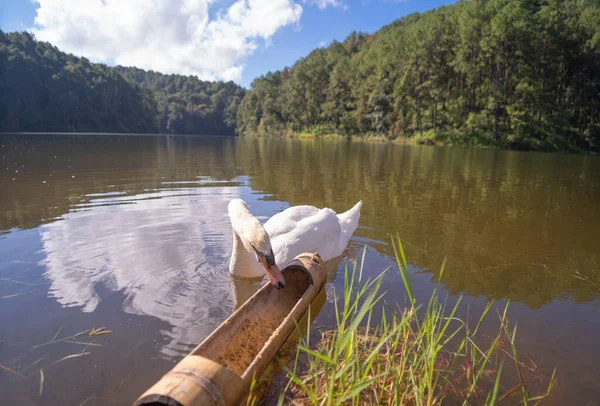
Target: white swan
259	249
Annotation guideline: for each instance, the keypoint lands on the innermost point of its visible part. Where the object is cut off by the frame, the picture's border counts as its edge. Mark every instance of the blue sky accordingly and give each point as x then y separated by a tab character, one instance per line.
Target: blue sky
273	38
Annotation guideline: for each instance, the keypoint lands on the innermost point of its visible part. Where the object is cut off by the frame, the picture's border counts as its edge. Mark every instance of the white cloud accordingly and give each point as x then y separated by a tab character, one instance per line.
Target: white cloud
169	36
322	43
323	4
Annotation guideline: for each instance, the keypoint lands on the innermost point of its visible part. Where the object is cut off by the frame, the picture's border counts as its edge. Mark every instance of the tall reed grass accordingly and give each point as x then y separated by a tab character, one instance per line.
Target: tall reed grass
421	355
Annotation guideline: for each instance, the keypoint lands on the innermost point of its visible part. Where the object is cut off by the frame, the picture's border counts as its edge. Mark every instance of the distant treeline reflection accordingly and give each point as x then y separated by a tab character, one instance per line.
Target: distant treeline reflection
510	224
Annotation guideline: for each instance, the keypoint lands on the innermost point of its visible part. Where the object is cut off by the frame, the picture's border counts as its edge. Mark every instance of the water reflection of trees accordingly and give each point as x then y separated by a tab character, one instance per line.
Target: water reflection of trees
513	225
75	166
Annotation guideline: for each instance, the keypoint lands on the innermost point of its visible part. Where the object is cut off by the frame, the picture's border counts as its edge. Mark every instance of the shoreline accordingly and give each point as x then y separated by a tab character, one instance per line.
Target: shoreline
416	140
114	134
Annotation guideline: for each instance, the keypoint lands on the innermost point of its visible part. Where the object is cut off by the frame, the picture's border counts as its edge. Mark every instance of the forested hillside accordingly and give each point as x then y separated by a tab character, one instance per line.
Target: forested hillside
44	89
189	105
518	73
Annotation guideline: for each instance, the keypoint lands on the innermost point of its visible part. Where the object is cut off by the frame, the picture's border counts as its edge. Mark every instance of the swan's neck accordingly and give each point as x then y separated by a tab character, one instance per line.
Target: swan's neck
243	263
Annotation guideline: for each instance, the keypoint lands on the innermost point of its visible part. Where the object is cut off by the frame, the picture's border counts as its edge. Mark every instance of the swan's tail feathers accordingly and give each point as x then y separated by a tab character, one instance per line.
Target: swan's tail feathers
349	223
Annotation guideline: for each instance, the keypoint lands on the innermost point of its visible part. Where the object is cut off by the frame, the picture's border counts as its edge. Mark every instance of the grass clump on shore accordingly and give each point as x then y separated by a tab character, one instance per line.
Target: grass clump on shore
421	355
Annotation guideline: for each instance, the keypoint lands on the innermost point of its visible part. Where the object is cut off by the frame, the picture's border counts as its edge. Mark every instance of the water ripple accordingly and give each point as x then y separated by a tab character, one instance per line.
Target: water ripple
166	250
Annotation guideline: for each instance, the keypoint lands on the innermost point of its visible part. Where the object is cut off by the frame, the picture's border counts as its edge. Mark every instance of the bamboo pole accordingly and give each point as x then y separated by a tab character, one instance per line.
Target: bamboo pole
220	370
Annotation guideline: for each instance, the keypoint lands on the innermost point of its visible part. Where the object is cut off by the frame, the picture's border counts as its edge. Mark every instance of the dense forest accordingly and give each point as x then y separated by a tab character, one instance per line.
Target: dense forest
187	105
518	73
44	89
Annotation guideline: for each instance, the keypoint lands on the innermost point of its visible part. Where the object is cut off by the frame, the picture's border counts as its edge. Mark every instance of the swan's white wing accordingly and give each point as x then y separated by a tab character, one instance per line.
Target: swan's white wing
297	213
294	234
286	220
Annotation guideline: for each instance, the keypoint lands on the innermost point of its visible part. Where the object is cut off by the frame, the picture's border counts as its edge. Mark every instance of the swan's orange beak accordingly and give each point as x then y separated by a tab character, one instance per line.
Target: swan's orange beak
273	273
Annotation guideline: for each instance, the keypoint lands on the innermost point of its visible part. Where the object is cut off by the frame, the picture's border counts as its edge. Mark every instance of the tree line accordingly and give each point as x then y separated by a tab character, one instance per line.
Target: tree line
44	89
517	73
187	105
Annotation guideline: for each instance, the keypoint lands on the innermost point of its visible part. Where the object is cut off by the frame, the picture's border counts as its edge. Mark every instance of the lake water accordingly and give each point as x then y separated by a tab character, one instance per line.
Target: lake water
131	233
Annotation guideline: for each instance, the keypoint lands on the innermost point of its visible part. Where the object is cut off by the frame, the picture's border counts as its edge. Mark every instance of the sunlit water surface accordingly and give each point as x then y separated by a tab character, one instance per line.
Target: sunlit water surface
132	234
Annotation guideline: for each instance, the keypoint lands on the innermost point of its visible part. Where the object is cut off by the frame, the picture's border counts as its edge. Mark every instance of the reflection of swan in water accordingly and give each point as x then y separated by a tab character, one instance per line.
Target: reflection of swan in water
242	289
333	265
259	249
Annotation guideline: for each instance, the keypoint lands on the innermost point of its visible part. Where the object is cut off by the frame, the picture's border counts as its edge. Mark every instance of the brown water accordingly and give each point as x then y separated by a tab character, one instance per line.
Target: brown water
132	234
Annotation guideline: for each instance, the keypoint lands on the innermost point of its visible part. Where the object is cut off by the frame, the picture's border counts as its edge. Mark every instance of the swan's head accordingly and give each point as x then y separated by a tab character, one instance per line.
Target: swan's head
255	239
267	260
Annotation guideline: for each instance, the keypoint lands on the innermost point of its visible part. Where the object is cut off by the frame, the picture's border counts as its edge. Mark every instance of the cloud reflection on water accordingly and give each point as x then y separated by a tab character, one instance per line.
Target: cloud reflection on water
167	251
